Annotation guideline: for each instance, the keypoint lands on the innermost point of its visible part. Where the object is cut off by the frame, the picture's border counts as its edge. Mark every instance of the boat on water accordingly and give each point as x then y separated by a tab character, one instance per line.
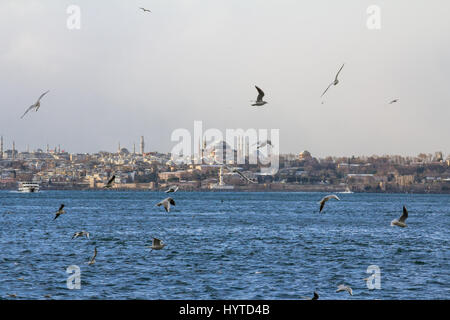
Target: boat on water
347	191
28	187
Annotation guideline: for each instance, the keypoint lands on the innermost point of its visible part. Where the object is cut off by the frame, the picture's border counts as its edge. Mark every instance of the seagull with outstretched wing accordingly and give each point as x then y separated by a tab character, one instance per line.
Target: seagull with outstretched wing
401	222
259	99
325	199
393	101
92	261
157	244
36	105
335	82
166	203
110	182
342	287
234	170
59	212
145	10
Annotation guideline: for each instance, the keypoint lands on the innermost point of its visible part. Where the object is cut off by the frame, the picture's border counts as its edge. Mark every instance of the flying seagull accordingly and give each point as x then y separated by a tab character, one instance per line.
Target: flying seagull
335	82
401	221
234	170
393	101
157	244
263	144
59	212
325	199
172	189
259	100
80	234
110	182
92	261
315	297
145	10
342	287
166	203
36	105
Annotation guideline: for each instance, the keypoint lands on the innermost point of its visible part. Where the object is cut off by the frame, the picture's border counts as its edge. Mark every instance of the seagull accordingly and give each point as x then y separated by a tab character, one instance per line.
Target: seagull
80	234
263	144
234	170
20	279
59	212
145	10
92	261
36	105
166	203
12	295
47	296
393	101
110	182
401	221
157	244
325	199
259	100
172	189
335	82
342	287
315	297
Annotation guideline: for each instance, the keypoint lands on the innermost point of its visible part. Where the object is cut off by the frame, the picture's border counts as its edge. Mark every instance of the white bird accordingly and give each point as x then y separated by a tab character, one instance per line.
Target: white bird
157	244
92	261
259	100
110	182
172	189
36	105
401	221
80	234
335	82
234	170
145	10
166	203
59	212
263	144
393	101
325	199
342	287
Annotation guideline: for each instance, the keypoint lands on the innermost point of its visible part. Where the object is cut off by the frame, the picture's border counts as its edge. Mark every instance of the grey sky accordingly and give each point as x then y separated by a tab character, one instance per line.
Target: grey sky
127	73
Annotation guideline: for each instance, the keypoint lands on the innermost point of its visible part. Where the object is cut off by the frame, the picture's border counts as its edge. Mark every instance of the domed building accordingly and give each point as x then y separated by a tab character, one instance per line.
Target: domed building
304	155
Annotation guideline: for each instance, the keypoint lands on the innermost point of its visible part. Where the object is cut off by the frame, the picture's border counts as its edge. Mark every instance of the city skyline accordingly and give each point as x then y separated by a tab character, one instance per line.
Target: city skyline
124	74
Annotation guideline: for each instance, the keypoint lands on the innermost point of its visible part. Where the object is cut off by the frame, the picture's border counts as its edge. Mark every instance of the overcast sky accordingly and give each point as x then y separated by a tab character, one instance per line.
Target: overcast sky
127	73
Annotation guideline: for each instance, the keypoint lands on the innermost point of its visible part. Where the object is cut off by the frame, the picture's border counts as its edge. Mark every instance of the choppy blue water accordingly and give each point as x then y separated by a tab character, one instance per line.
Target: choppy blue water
250	246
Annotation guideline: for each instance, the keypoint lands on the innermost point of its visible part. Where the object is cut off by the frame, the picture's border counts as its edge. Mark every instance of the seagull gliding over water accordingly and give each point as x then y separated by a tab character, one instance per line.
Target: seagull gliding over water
325	199
166	203
401	222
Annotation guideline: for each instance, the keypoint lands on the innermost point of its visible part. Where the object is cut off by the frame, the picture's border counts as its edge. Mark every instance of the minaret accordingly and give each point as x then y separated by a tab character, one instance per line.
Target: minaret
59	148
14	150
48	148
28	148
1	147
134	148
142	145
118	150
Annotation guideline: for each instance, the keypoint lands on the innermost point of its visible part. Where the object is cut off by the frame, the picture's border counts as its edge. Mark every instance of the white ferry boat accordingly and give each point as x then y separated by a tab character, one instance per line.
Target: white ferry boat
28	187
